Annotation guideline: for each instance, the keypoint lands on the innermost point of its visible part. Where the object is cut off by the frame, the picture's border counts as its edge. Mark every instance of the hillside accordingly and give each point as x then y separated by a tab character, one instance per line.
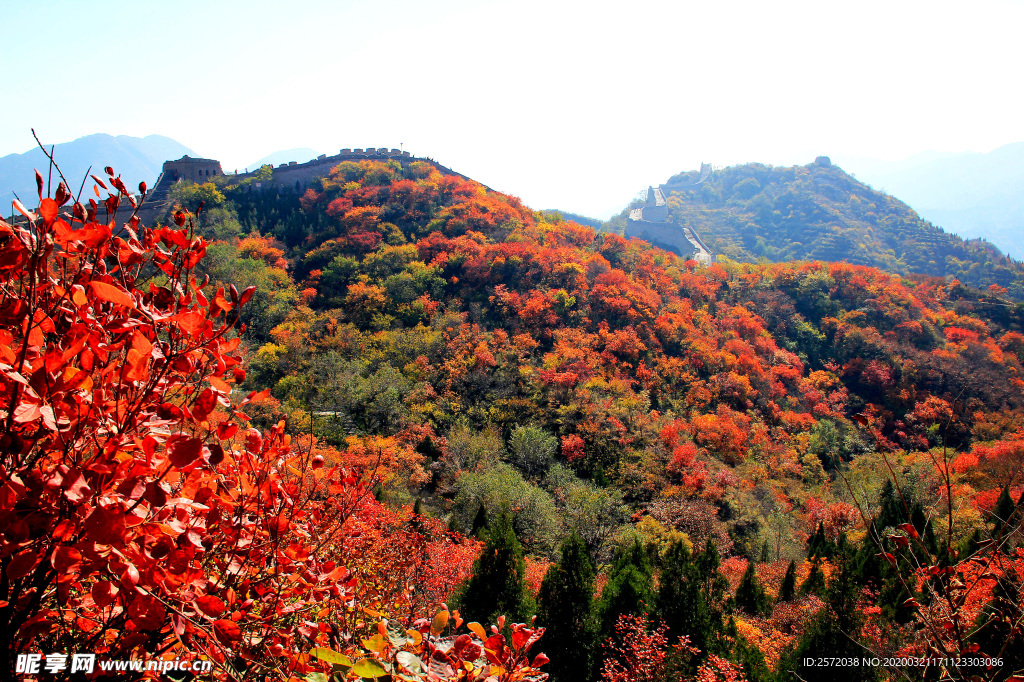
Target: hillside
972	195
818	211
487	356
136	159
485	316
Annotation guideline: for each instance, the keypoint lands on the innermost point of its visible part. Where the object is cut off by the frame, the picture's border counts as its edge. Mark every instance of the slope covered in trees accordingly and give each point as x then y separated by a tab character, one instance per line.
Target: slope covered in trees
499	358
818	212
805	455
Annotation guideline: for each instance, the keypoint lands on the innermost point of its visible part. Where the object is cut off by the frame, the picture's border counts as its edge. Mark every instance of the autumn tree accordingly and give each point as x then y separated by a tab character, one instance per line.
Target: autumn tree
142	516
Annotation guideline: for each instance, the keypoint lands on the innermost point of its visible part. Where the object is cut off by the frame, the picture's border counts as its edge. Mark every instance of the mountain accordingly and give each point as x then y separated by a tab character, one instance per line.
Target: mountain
973	195
134	158
819	212
575	217
301	155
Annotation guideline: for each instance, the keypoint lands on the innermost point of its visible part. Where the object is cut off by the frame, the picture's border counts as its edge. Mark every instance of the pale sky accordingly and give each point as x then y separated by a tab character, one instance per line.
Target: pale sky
568	105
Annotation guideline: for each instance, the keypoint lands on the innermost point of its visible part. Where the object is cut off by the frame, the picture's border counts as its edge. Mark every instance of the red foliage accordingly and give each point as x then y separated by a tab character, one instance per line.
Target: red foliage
636	653
572	447
140	514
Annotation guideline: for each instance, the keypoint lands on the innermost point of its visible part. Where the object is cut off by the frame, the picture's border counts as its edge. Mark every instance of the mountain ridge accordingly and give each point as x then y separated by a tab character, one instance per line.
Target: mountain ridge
820	212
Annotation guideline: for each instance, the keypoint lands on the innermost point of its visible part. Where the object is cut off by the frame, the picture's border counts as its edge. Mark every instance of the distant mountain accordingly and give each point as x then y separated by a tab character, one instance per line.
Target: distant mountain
134	158
819	212
972	195
300	155
575	217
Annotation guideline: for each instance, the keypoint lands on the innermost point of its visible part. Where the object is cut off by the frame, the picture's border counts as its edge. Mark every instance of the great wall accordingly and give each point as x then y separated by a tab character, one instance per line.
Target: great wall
650	222
292	174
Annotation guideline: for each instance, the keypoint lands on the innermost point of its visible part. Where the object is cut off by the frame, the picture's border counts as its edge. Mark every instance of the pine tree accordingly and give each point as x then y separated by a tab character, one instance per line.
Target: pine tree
815	582
416	521
892	511
788	589
1002	513
690	594
819	546
479	521
629	590
765	553
498	584
565	609
833	632
750	596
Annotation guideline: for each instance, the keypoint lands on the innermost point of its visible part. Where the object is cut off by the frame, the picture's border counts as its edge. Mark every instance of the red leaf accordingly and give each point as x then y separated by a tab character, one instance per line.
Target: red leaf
210	605
76	488
48	209
26	413
104	592
147	612
108	292
216	454
519	638
191	322
185	451
226	429
204	405
20	207
227	631
65	558
65	530
246	295
22	564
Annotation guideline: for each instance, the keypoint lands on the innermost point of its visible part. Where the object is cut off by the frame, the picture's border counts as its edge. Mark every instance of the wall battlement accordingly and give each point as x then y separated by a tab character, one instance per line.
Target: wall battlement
294	173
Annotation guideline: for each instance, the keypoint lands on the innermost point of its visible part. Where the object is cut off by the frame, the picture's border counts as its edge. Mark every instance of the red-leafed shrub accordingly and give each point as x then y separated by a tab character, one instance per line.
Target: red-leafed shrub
140	515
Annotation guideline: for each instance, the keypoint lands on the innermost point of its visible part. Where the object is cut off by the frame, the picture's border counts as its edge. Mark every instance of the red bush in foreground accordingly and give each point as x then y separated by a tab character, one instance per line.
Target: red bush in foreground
140	515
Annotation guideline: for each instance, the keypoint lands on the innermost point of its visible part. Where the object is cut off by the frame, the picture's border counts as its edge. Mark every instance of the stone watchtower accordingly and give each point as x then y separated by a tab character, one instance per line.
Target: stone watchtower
194	170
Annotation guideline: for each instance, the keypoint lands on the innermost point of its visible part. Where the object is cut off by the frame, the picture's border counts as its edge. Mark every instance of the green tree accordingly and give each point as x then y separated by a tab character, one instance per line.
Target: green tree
498	584
565	610
479	521
833	631
815	581
691	594
788	589
629	589
750	596
1002	512
532	451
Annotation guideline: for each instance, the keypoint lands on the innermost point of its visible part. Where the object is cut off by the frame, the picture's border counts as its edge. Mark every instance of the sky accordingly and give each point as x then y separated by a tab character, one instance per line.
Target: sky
576	106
